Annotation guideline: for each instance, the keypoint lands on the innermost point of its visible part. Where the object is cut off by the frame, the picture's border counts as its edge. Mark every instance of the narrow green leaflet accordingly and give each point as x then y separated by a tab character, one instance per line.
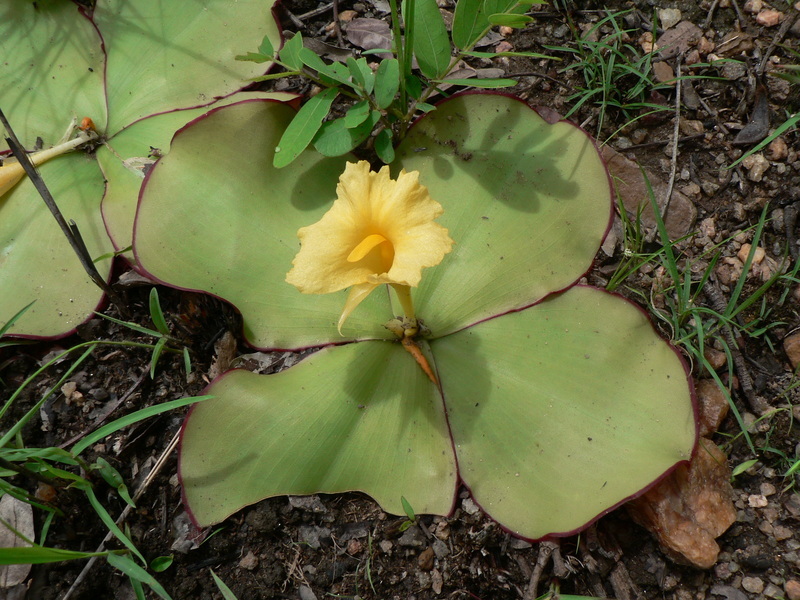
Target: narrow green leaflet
303	128
266	47
290	53
384	147
312	60
471	19
516	21
482	83
361	73
357	114
157	314
334	137
132	418
387	82
431	45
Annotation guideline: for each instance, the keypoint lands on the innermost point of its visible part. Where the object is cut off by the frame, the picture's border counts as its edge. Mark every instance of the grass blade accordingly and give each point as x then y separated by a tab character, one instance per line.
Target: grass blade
132	418
134	571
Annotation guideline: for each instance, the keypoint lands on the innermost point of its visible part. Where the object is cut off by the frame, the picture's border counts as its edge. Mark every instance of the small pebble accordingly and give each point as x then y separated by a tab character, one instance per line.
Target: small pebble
756	165
757	500
469	506
754	585
753	6
767	489
769	17
669	17
306	593
791	345
721	571
249	562
744	251
778	149
782	533
663	72
716	358
440	549
792	588
412	537
425	559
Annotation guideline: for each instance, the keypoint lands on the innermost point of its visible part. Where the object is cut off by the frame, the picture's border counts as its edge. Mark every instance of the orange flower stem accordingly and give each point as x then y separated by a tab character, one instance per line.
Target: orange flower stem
414	350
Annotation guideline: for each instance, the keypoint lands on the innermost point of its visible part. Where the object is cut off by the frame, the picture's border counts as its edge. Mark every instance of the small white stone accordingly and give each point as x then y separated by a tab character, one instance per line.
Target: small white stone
756	165
754	585
669	17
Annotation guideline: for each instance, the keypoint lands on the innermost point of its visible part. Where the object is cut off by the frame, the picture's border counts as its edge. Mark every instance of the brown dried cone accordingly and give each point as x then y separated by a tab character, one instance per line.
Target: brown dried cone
693	506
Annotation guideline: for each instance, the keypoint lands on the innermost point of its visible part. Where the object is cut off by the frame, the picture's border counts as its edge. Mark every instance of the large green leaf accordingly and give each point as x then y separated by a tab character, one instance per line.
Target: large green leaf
564	410
357	417
51	69
527	203
216	216
170	54
36	261
129	154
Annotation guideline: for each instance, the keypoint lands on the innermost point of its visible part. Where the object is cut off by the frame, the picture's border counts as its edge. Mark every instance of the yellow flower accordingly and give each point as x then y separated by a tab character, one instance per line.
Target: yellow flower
378	231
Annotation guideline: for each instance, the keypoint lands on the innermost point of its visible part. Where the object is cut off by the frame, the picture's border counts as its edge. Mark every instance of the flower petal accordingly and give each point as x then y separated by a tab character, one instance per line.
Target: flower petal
354	298
379	230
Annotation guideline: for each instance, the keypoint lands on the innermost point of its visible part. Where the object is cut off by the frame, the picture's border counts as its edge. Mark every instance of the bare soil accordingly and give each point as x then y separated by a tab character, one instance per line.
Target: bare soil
345	545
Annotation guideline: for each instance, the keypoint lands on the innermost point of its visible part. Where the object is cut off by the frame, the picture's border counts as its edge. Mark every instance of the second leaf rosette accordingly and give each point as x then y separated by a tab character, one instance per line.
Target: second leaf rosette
555	406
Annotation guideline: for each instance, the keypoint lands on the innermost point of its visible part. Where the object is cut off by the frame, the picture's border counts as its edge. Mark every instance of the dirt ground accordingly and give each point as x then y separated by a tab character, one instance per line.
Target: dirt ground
344	546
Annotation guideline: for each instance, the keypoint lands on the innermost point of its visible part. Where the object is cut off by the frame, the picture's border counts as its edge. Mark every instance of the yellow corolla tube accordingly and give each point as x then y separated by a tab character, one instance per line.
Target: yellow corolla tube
12	172
378	231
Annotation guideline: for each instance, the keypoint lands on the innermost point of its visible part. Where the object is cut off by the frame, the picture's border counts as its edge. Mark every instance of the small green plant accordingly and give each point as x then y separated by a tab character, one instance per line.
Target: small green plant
389	98
411	519
615	73
161	333
61	469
